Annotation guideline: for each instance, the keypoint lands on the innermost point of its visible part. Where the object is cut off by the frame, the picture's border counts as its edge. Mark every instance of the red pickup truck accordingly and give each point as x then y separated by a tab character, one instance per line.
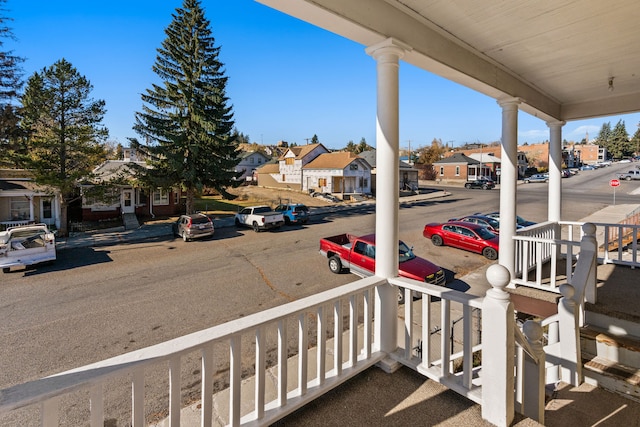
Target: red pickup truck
357	254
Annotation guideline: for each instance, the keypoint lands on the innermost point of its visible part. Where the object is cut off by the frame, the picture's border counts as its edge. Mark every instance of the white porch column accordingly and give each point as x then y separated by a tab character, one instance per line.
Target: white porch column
387	54
508	182
554	204
31	208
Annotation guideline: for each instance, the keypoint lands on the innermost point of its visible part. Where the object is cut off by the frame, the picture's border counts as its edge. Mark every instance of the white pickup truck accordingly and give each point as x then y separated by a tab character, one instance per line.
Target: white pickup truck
26	245
259	218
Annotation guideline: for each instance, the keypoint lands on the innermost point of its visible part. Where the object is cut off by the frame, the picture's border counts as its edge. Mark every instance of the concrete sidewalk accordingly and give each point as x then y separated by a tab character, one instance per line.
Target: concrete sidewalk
155	230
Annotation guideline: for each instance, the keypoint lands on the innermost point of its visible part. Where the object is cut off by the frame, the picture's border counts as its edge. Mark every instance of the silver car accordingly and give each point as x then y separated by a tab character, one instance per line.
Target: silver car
193	226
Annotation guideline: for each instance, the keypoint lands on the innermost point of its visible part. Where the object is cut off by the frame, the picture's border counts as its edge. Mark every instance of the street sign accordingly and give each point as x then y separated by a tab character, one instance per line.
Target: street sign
614	183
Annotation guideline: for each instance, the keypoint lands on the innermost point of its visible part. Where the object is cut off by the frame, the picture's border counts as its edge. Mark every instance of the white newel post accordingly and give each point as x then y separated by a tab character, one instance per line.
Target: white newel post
534	373
508	182
498	349
589	244
570	354
387	55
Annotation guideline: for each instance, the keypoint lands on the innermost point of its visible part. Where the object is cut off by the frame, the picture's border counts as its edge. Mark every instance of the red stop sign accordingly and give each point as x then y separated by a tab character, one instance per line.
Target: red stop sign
614	182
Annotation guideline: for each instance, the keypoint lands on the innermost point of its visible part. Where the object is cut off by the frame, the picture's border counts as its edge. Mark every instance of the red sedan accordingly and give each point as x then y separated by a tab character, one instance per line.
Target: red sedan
464	235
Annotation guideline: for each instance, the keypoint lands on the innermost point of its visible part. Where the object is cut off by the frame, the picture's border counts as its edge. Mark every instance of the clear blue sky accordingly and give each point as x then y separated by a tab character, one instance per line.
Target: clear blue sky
287	79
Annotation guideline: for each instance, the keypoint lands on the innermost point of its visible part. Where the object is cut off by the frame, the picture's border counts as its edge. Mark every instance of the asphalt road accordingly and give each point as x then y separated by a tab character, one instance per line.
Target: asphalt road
94	303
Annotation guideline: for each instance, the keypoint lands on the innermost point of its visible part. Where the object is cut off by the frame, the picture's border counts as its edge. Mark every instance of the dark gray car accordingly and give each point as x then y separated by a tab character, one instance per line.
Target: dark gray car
193	226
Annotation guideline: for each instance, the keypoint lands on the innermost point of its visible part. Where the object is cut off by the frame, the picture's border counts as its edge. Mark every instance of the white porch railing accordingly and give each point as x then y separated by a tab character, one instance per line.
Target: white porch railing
539	247
356	299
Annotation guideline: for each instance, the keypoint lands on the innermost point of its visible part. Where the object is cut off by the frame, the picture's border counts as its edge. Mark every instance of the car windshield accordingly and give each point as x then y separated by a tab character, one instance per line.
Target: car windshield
405	253
301	209
492	222
485	234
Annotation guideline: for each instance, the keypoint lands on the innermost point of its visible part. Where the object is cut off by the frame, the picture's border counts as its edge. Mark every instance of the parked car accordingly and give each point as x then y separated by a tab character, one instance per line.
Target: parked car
26	245
193	226
259	218
464	235
489	222
520	222
358	255
485	184
539	177
587	168
293	213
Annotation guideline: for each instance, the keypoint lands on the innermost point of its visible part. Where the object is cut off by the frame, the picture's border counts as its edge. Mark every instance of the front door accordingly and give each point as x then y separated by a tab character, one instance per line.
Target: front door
127	201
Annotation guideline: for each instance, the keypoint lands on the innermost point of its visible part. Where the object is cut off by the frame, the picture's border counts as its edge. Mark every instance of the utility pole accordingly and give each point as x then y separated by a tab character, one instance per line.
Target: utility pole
409	157
307	139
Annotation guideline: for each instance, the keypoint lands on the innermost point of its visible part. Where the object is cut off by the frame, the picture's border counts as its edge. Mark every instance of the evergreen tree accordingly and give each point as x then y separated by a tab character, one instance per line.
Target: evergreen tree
64	134
10	85
619	145
604	134
635	141
185	121
351	147
362	146
314	139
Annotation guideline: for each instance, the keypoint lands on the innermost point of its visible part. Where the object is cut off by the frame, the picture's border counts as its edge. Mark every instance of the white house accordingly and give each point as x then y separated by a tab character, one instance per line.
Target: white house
249	161
22	201
340	172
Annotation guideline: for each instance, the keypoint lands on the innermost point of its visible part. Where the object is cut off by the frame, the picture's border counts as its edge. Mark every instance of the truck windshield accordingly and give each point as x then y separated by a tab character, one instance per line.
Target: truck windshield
404	252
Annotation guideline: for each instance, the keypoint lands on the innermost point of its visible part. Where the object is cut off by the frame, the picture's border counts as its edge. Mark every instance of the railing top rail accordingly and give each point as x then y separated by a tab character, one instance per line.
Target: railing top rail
74	379
549	241
438	291
522	341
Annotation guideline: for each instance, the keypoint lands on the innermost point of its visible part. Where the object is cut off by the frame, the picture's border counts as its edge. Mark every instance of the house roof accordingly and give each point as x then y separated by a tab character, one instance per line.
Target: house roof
269	168
370	157
23	185
245	154
301	151
485	158
458	158
336	160
110	169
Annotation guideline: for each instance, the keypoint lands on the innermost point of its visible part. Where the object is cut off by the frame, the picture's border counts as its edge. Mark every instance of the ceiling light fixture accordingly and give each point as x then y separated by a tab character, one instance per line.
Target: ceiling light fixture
610	84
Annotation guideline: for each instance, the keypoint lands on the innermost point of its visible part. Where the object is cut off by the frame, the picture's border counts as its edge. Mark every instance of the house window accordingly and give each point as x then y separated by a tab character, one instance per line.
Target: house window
457	170
441	170
19	209
353	166
251	160
322	182
259	160
47	210
289	161
176	198
160	197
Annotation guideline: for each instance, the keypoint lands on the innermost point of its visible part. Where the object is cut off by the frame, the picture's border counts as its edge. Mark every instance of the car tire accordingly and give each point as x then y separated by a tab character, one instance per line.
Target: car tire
400	295
437	240
467	186
627	178
546	180
6	270
490	253
335	264
287	221
485	187
184	236
255	227
237	221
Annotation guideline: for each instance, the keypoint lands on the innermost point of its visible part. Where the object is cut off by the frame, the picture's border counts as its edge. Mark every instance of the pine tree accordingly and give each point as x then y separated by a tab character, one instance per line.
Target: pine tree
64	134
10	85
619	145
185	122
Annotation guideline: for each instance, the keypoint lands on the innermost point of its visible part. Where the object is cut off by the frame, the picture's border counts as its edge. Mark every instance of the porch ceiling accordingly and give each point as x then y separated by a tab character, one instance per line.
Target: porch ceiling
557	56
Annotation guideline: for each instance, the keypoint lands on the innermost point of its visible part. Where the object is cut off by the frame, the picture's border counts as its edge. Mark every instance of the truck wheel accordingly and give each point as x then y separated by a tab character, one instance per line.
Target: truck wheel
6	269
400	295
628	178
436	240
490	253
184	236
335	265
255	227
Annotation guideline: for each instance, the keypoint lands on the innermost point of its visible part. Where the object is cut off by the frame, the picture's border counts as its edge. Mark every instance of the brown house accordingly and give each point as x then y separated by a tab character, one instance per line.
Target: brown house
455	168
